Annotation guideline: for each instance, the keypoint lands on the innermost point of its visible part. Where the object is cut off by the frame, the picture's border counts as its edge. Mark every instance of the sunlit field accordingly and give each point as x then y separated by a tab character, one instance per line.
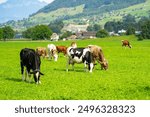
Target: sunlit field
128	76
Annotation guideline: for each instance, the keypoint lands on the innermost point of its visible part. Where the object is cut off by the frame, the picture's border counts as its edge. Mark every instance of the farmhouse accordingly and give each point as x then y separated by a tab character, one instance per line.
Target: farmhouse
89	34
54	37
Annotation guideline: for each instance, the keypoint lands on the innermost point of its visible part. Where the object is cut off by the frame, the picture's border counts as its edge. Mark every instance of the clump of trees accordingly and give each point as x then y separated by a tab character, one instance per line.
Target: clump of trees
95	27
66	34
145	30
131	25
102	33
39	32
7	33
56	26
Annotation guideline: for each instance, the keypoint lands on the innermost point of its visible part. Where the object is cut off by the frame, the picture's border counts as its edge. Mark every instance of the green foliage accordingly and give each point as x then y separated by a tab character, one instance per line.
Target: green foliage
130	31
1	33
8	32
56	26
38	32
127	23
95	27
145	28
28	33
66	34
102	33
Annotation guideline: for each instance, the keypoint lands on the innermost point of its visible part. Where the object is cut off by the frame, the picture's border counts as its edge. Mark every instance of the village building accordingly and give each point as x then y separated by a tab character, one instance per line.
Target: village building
54	37
89	34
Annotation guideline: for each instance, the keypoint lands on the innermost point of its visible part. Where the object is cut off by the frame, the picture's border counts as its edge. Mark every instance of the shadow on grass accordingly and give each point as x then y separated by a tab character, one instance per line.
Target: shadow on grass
18	80
70	70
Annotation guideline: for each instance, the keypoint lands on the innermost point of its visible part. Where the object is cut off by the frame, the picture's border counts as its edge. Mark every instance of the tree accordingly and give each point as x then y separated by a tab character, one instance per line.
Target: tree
94	27
145	34
66	34
1	33
8	32
28	33
38	32
130	31
56	26
102	33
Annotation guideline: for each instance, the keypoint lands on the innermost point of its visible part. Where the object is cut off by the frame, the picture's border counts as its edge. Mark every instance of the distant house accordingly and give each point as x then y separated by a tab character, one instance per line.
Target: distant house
72	37
75	28
89	34
138	32
113	34
54	37
122	31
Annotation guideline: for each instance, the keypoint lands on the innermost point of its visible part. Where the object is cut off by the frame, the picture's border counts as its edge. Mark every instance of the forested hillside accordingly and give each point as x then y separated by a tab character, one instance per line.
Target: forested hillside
102	5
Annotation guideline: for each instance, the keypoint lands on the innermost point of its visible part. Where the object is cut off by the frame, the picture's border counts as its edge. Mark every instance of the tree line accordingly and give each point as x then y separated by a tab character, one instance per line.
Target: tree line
45	31
6	33
130	24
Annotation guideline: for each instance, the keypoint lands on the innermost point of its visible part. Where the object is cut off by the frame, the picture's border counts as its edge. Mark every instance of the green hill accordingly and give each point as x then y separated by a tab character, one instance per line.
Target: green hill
84	11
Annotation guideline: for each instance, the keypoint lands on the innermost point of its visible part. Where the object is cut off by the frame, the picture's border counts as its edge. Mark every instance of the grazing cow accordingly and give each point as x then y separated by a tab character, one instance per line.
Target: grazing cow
98	56
31	60
62	49
126	43
74	44
41	51
79	55
52	51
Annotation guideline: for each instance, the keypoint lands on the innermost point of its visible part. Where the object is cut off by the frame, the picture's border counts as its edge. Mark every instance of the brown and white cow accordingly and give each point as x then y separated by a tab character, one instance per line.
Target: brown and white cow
41	51
98	56
126	43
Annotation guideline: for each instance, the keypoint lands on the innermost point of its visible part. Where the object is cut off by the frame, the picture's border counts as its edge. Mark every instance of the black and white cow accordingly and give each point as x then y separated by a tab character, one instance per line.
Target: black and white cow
31	60
80	55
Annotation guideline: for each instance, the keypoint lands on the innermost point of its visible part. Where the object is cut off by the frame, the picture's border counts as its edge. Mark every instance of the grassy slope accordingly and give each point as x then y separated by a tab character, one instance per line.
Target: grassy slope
127	77
51	16
139	10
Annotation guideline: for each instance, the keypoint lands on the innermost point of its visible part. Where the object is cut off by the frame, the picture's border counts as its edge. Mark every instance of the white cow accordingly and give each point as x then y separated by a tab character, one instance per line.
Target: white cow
52	51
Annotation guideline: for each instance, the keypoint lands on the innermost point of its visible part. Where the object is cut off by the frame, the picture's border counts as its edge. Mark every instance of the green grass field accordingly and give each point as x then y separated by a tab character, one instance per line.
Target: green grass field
127	78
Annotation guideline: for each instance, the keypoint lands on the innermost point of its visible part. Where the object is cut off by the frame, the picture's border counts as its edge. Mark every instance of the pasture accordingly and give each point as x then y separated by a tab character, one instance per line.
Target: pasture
127	78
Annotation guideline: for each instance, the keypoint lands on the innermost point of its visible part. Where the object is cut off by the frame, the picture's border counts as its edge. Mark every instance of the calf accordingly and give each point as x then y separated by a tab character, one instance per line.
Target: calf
126	43
98	56
52	51
31	60
62	49
79	55
41	51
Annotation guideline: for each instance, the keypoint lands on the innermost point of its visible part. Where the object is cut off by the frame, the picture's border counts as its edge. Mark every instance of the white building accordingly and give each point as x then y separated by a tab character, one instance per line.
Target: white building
54	37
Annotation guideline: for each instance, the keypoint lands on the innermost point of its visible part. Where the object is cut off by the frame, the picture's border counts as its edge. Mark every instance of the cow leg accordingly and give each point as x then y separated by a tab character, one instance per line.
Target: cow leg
91	67
85	66
68	61
22	71
28	74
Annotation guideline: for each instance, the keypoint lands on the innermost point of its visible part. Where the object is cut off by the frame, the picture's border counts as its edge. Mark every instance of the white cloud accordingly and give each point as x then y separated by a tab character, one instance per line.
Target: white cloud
48	1
2	1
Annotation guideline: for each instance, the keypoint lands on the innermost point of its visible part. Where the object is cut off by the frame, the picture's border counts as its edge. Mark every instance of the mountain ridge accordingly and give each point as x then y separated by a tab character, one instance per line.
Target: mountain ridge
83	13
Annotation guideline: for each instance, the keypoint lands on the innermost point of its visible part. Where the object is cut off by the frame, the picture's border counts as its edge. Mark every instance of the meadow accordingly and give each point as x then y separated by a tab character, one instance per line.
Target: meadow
128	76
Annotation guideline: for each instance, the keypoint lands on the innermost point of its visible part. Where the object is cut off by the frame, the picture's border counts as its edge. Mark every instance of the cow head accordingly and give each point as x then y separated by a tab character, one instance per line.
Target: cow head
104	65
36	75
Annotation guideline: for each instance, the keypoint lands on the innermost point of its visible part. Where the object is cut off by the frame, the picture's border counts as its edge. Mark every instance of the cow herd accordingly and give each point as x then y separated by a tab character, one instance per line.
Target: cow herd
30	58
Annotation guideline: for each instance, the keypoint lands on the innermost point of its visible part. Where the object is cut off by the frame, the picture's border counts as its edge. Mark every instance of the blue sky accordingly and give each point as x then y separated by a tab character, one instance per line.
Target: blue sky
48	1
